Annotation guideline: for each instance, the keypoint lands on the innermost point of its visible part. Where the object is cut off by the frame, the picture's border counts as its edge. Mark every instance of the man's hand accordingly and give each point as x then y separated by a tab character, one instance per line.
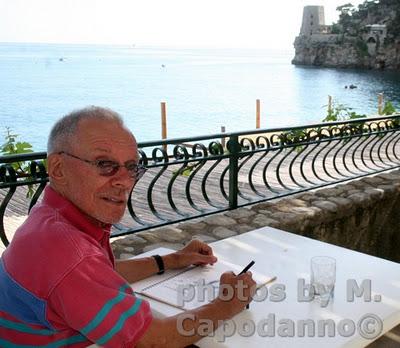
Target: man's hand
165	332
194	253
236	290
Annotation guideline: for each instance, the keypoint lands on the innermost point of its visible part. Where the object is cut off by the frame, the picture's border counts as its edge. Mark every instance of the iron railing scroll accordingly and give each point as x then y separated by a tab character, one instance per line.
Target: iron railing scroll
25	171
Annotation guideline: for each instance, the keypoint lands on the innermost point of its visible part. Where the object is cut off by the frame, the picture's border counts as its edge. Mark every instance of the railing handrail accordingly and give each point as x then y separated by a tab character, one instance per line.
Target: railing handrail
264	130
23	157
172	141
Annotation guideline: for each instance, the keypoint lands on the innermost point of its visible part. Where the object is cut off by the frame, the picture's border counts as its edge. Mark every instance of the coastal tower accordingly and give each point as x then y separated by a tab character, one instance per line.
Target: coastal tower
313	20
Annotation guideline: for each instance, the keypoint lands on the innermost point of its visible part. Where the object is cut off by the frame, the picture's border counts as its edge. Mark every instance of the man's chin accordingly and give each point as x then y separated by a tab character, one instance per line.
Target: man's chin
109	216
112	220
108	220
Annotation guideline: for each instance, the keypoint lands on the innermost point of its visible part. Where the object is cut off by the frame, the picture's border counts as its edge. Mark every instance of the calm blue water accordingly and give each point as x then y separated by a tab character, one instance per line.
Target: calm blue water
204	89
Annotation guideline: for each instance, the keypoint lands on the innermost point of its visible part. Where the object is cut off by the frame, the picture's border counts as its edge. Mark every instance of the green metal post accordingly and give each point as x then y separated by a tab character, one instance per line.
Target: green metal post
234	150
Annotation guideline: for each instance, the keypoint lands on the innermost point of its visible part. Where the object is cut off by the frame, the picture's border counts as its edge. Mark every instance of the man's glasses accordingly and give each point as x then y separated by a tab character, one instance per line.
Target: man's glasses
110	168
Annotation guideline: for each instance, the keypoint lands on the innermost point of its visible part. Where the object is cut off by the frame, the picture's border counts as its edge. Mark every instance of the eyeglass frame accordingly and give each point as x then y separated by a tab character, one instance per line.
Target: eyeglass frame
139	171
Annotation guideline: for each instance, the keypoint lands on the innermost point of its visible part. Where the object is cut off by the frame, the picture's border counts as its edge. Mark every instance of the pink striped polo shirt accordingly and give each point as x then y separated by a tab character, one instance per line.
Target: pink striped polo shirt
59	287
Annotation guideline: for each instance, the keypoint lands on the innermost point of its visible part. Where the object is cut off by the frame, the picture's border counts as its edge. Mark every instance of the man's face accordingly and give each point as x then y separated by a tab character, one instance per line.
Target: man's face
102	198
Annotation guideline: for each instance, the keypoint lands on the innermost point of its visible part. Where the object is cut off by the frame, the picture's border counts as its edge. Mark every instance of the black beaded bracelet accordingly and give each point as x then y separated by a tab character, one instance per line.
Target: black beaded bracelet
160	264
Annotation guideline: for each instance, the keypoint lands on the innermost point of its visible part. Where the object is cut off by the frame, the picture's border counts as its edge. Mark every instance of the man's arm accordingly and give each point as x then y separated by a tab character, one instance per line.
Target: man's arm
189	327
196	252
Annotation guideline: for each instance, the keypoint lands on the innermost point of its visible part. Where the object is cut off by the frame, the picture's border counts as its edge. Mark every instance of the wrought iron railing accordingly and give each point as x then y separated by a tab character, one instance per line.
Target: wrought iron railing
193	177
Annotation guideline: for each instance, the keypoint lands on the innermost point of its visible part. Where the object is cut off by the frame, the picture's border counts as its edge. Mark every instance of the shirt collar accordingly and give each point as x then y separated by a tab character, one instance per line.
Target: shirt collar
75	216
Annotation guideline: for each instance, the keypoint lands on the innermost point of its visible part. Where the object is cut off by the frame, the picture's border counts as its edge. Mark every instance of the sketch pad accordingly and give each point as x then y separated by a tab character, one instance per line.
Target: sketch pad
200	283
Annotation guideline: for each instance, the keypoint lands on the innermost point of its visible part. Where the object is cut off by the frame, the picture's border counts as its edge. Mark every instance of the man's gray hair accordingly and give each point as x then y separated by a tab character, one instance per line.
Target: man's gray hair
66	127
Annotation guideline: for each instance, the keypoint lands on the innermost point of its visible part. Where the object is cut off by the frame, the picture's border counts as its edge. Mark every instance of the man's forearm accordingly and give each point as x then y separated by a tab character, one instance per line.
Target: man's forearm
137	269
184	329
194	253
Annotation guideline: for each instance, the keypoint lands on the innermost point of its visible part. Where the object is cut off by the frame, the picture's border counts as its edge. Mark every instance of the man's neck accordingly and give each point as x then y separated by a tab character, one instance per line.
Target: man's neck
91	219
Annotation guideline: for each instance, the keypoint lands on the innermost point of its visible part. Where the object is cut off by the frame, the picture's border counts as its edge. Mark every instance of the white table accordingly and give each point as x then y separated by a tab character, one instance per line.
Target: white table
287	256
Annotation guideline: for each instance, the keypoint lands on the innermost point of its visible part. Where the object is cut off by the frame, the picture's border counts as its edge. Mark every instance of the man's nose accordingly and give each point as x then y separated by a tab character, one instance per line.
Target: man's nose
122	178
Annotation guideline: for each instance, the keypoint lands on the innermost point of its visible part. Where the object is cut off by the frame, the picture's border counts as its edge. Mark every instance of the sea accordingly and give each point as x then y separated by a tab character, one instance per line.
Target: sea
203	89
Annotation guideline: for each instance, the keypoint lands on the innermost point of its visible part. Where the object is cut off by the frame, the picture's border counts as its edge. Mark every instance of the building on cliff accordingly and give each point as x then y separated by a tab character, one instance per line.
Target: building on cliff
375	36
317	45
313	20
314	33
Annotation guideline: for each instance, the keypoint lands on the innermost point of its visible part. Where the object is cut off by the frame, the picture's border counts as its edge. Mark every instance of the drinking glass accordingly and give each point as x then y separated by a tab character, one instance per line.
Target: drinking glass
323	277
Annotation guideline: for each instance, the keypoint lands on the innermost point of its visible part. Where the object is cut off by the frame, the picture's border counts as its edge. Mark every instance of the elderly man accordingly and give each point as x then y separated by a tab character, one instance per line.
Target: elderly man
59	283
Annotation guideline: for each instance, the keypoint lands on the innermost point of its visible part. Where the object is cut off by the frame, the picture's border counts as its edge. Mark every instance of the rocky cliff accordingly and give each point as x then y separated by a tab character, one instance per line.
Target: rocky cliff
347	52
367	37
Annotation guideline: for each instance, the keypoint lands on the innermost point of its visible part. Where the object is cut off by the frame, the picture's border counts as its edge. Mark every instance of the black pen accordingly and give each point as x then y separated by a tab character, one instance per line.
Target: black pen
247	267
245	270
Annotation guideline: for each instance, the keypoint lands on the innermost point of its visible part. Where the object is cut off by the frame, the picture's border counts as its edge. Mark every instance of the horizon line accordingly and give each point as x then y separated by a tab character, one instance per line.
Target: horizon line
147	45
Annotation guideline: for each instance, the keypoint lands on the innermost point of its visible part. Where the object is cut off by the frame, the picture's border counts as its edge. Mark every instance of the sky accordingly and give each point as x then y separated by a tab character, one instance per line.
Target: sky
181	23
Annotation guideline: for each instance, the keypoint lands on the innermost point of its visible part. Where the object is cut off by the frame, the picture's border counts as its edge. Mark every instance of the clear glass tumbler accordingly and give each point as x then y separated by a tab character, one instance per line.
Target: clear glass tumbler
323	277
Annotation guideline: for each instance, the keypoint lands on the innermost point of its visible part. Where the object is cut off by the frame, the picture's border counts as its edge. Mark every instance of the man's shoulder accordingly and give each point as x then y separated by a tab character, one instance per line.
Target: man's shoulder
46	246
45	228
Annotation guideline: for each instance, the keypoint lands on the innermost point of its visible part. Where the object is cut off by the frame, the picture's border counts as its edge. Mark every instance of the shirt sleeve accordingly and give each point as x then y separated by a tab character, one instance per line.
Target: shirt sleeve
96	301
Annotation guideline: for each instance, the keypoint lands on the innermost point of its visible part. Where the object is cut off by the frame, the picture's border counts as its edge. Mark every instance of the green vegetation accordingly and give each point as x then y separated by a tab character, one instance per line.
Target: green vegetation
388	109
13	147
341	112
347	24
353	20
335	29
337	113
362	47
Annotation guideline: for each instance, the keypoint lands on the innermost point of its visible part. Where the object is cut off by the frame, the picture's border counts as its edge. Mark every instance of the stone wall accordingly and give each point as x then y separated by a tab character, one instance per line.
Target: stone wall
361	215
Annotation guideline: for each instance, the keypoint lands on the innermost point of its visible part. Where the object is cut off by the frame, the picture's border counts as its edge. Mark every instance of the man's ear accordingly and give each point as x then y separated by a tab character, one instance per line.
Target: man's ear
56	169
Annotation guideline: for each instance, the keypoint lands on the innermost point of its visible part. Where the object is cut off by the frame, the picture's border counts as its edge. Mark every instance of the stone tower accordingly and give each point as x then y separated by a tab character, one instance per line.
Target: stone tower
313	19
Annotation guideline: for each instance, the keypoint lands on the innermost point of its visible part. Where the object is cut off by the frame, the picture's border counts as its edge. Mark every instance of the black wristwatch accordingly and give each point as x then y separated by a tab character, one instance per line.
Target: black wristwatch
160	264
